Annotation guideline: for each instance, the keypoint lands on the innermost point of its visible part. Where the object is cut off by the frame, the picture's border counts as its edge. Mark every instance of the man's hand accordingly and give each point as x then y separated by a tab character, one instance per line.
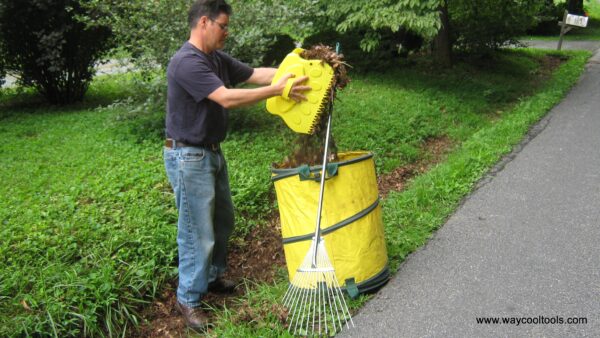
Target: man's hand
297	90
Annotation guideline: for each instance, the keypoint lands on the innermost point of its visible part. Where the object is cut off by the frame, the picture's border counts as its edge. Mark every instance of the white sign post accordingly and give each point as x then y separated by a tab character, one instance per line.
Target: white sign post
569	22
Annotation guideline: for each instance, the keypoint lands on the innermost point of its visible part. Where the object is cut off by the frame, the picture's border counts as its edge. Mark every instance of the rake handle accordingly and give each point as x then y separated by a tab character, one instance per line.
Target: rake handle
323	173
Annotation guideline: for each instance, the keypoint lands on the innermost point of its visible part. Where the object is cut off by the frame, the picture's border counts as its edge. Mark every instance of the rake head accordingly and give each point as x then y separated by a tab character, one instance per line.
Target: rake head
314	298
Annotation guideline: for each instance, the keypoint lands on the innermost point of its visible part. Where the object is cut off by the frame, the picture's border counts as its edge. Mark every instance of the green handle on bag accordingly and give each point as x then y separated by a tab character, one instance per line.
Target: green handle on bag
306	174
352	288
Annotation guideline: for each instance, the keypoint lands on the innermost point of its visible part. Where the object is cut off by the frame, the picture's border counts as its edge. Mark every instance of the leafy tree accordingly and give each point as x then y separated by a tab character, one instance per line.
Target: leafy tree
549	16
470	25
442	43
575	7
49	49
481	26
374	16
153	30
149	30
257	25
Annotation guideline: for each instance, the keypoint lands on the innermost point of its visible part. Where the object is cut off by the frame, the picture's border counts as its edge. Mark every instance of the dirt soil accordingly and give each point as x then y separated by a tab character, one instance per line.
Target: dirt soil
261	254
435	149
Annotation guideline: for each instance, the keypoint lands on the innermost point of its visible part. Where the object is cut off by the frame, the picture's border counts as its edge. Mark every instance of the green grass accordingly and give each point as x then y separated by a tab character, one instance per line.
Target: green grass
88	219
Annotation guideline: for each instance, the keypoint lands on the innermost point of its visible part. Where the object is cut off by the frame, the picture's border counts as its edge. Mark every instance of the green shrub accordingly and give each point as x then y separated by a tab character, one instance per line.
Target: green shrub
152	31
391	48
549	16
377	16
483	26
49	49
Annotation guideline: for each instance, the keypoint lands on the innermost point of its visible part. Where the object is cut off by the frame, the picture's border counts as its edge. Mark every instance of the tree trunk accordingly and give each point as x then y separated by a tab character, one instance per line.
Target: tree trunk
575	7
442	46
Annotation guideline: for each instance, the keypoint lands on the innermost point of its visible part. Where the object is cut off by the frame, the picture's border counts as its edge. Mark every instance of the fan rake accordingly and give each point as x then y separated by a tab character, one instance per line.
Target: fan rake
314	298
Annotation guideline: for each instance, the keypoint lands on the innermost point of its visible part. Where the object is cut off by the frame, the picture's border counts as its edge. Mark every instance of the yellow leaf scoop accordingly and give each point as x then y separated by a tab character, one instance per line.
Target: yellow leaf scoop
302	117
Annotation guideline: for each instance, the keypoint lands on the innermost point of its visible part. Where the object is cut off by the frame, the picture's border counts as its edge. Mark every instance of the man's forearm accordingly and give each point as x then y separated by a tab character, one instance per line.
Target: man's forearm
262	76
234	98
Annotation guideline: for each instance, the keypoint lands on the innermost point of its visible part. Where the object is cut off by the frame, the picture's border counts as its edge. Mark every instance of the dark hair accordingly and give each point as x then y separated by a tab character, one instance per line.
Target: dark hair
210	8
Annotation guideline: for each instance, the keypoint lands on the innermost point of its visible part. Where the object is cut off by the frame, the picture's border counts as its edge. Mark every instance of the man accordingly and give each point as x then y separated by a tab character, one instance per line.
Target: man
200	80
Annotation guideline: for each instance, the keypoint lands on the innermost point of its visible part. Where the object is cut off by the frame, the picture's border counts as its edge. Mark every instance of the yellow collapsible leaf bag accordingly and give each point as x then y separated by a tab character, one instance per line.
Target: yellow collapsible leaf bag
302	117
351	223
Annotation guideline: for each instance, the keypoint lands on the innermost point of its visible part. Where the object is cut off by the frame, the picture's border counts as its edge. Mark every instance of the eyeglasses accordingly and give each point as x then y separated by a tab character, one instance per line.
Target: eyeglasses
223	27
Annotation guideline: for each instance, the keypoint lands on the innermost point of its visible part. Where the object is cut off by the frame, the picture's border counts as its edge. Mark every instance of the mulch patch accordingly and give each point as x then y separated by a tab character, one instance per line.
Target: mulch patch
435	148
256	259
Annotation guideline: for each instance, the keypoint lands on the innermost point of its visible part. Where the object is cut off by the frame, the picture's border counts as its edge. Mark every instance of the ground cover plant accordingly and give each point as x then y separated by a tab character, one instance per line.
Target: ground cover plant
88	219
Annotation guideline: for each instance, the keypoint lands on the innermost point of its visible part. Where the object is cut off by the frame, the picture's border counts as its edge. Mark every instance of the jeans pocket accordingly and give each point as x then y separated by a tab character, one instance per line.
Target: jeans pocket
193	155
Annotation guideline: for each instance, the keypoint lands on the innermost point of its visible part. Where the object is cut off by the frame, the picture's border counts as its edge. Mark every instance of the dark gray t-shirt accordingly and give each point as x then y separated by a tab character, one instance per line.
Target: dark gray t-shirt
191	76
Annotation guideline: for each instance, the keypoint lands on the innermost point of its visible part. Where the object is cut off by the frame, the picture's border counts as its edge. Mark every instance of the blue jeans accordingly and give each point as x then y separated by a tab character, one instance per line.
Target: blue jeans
200	182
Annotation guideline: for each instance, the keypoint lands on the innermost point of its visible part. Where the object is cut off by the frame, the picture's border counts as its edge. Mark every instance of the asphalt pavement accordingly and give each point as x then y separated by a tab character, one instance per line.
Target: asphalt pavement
523	247
566	45
102	68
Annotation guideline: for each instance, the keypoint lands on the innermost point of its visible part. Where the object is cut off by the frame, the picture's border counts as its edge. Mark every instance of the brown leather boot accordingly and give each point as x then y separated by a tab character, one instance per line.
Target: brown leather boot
222	285
195	318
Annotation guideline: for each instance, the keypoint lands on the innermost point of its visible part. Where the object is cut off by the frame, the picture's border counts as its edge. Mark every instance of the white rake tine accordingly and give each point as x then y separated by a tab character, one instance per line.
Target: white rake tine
288	294
324	258
333	307
318	309
309	308
295	298
297	312
293	291
321	313
293	308
302	302
326	311
338	302
324	295
325	292
315	308
300	310
315	292
288	298
344	306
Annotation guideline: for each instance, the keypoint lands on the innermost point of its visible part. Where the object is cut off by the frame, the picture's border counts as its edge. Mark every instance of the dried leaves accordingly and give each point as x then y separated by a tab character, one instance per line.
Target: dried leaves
309	148
336	61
